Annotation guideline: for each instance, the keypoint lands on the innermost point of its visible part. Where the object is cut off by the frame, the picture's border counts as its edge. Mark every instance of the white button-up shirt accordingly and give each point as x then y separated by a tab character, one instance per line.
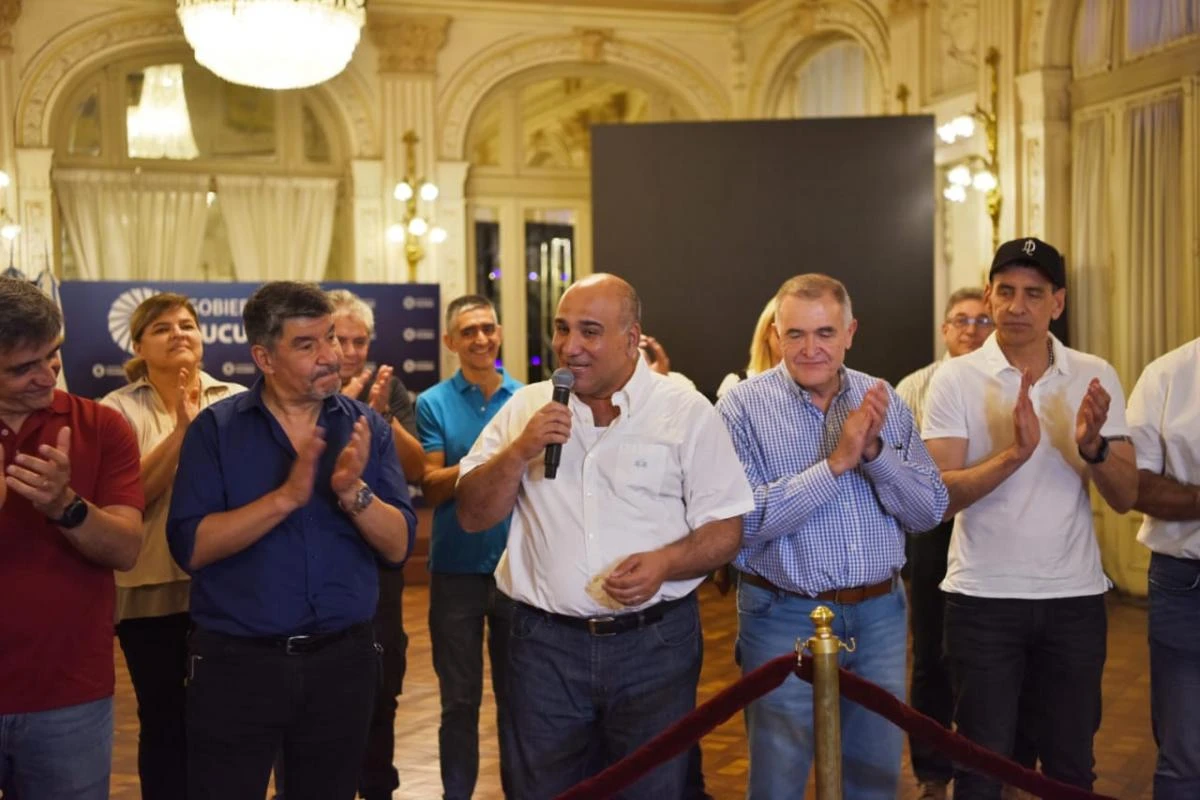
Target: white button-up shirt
1032	536
664	467
1164	418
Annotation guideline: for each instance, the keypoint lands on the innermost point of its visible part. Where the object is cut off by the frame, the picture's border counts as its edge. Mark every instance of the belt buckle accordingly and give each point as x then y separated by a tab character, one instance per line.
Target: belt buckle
592	622
297	640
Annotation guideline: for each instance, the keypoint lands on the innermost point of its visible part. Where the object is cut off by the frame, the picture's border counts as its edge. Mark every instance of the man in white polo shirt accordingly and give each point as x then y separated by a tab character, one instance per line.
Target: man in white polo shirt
603	559
1164	418
1019	429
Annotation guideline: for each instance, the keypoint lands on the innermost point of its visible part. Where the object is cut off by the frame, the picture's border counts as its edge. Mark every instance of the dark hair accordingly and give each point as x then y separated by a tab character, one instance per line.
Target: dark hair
466	303
27	317
274	303
961	296
147	311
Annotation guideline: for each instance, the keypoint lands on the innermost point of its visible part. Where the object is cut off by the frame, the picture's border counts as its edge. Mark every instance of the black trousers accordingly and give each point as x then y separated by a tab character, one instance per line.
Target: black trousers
930	690
247	701
1037	661
155	651
379	777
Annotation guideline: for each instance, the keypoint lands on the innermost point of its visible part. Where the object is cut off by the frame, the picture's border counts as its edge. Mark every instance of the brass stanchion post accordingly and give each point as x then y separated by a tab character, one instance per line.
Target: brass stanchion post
827	718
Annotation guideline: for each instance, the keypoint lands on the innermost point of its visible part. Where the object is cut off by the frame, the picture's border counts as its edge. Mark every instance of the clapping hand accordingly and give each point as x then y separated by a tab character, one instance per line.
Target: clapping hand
1092	414
1026	428
187	400
380	392
352	460
297	489
860	433
43	481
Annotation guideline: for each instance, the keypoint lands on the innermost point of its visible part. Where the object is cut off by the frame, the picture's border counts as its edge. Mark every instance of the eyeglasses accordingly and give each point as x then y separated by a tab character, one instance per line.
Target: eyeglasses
961	322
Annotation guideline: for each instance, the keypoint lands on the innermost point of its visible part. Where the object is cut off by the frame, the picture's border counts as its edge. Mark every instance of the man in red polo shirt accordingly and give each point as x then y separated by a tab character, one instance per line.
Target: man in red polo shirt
70	513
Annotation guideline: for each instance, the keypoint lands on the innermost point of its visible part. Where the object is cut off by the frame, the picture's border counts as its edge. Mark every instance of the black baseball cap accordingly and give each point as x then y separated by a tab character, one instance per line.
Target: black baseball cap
1034	253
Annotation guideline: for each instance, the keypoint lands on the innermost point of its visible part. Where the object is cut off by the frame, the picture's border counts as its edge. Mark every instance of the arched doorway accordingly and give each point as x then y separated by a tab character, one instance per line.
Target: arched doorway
163	171
529	191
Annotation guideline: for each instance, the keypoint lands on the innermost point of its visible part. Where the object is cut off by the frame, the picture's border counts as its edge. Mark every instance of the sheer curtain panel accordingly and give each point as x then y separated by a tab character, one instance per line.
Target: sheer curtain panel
279	228
131	225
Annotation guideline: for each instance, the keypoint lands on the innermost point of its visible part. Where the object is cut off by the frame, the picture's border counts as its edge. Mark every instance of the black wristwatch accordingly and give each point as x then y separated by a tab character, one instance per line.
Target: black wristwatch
1101	453
73	515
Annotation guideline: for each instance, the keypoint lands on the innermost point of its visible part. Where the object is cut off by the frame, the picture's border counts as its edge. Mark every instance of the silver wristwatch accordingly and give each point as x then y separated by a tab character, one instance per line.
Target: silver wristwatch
362	499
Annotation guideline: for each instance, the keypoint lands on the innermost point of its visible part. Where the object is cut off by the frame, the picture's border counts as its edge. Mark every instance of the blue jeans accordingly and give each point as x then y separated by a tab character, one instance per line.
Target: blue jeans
581	702
779	725
57	754
459	605
1175	675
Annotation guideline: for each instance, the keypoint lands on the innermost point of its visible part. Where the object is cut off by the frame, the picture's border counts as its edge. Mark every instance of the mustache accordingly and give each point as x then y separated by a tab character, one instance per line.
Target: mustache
324	371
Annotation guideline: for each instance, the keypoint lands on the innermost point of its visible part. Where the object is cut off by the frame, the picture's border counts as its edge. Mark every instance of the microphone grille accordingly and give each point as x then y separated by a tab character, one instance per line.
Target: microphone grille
563	378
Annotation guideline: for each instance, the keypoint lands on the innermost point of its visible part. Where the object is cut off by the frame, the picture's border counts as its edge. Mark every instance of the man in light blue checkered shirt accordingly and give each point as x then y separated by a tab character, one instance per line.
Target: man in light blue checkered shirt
839	475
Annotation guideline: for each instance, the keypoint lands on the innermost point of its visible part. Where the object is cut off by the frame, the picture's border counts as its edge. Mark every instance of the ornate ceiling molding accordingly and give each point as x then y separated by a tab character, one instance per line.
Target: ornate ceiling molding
10	12
512	56
856	19
82	49
407	43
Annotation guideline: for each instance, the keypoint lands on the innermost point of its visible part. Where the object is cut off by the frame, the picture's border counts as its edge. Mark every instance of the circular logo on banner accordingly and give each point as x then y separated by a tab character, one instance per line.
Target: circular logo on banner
227	369
97	371
409	334
409	365
408	302
121	311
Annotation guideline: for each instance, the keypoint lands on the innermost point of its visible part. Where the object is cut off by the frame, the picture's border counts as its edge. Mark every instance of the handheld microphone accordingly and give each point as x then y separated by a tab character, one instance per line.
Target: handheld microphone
563	380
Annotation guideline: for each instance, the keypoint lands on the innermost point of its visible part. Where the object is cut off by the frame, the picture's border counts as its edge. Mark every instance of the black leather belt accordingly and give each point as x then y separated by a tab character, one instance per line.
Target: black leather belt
611	625
299	644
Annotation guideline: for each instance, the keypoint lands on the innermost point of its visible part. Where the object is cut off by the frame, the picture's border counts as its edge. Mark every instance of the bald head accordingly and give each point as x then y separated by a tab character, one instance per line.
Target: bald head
605	284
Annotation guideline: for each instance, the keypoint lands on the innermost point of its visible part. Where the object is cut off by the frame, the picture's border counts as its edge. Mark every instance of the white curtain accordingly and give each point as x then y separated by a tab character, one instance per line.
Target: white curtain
1090	264
1153	23
130	225
1093	36
833	83
279	228
1154	298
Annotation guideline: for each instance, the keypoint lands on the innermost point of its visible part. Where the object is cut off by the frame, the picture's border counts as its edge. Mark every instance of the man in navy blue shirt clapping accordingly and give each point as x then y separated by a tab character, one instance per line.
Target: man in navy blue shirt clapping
286	500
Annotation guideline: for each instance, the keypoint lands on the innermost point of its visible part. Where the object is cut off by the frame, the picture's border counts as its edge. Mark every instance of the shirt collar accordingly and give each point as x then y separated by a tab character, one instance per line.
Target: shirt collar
61	404
804	394
996	362
207	383
247	400
461	384
630	396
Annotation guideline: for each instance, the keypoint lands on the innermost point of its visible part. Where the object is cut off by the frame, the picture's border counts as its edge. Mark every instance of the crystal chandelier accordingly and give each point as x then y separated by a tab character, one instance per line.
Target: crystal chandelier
273	44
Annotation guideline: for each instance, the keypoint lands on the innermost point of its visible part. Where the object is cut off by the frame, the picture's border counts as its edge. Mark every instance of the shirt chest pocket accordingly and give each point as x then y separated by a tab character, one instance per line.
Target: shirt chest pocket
642	467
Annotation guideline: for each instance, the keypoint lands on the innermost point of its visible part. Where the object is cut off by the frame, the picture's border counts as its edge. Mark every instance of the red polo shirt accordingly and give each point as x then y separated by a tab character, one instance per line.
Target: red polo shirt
56	607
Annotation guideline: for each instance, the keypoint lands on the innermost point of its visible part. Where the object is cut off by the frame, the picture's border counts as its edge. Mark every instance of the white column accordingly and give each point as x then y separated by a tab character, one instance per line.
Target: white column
369	227
1046	150
408	45
449	261
997	28
35	246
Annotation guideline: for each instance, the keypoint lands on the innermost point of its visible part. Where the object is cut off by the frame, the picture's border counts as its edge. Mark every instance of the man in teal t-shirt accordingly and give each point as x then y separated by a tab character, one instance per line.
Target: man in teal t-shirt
462	591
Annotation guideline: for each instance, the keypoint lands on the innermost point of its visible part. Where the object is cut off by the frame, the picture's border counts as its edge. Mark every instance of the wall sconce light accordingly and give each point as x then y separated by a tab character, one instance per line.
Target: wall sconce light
414	229
980	173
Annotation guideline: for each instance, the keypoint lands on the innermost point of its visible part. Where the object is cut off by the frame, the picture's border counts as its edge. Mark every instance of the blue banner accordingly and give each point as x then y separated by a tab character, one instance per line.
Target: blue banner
407	334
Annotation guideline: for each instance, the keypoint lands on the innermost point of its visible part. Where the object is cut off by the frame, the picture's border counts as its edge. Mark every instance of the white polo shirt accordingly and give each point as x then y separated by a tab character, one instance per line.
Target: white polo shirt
1164	418
1032	536
664	467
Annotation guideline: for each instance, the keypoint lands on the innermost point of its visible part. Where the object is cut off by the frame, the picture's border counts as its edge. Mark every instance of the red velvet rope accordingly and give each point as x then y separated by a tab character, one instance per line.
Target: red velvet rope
689	730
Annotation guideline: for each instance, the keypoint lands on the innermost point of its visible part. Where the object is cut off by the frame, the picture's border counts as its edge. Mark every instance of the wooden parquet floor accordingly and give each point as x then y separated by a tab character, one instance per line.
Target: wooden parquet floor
1125	749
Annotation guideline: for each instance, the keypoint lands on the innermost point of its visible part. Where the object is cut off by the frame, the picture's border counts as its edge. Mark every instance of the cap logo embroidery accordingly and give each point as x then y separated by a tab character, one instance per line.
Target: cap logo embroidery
1029	247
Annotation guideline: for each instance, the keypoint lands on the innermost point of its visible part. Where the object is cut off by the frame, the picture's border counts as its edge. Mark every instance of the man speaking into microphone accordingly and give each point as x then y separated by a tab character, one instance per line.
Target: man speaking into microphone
603	560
